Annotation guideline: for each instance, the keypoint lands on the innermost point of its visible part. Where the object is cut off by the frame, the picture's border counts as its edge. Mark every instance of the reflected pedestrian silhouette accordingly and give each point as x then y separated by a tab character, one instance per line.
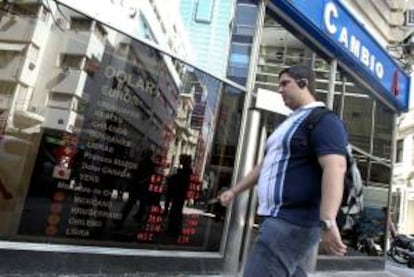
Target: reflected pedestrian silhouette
178	185
138	190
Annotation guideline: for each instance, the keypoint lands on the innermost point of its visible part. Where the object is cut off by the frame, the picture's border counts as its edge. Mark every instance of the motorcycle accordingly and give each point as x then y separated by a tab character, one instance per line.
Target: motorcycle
370	246
402	250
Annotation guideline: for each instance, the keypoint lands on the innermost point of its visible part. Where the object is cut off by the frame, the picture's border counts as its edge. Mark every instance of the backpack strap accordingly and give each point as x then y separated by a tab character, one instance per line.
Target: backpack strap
312	120
314	116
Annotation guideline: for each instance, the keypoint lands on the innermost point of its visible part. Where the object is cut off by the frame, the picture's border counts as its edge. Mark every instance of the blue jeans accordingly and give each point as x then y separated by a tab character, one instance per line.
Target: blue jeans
281	249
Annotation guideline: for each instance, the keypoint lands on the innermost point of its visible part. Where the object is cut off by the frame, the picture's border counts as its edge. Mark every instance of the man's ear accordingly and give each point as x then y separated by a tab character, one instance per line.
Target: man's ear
302	83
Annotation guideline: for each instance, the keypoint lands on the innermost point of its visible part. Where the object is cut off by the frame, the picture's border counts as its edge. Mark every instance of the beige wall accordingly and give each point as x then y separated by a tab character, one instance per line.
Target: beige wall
409	228
384	17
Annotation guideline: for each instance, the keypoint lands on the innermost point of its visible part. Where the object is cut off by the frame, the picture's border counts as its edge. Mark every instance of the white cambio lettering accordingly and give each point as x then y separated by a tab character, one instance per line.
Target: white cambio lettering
379	69
355	46
343	37
330	11
372	63
351	42
364	55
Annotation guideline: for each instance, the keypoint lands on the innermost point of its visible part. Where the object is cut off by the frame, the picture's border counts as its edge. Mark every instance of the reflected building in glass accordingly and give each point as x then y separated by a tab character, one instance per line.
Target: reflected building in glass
244	29
208	24
118	118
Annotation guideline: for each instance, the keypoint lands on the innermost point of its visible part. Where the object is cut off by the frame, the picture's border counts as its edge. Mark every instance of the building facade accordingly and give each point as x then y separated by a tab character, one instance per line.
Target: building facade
402	194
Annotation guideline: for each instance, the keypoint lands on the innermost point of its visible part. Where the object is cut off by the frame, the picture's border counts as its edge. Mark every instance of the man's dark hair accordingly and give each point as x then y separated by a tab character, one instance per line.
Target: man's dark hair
300	73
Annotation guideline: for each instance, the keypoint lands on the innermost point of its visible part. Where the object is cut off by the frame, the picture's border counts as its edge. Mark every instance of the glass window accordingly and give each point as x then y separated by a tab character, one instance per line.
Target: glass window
245	20
409	17
204	11
8	57
399	151
23	9
395	205
116	162
80	23
239	62
71	61
23	97
7	90
357	113
79	105
7	87
100	31
240	54
145	29
238	71
412	150
246	15
4	116
60	100
383	130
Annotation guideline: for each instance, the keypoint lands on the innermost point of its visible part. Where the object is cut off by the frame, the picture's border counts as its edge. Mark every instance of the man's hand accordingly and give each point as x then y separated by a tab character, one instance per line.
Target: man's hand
226	197
246	183
332	243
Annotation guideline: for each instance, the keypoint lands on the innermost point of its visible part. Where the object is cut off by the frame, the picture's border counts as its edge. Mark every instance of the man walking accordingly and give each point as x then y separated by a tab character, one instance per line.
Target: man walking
300	184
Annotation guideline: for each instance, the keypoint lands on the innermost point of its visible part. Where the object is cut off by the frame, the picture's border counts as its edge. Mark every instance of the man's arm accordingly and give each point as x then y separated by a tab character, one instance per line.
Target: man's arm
246	183
333	172
333	168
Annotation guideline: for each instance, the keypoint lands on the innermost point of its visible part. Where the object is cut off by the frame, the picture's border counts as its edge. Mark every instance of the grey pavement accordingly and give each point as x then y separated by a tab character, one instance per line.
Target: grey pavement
355	274
392	269
318	274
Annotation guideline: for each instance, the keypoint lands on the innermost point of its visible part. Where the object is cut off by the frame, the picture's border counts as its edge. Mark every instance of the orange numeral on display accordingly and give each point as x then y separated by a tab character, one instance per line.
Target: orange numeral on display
155	210
183	239
145	236
192	223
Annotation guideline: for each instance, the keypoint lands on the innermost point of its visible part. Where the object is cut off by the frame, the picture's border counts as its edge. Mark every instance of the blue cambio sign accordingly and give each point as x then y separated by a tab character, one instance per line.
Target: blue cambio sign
338	32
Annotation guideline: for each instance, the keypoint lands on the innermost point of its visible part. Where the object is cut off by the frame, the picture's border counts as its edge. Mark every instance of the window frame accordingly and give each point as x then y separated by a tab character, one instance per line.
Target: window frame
399	150
199	17
409	17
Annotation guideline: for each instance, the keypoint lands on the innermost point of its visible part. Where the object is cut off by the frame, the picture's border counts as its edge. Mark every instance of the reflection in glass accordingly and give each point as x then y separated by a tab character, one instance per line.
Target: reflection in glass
383	130
125	152
357	115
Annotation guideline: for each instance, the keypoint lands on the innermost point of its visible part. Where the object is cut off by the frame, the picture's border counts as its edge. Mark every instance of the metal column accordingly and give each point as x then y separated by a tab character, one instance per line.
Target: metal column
332	78
245	158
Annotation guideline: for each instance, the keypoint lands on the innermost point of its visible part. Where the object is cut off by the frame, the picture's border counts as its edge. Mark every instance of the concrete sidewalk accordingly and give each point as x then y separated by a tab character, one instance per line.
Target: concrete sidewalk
318	274
390	272
355	274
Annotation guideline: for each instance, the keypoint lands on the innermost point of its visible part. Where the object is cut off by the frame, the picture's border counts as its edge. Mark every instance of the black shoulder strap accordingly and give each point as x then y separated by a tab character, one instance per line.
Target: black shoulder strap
312	120
315	115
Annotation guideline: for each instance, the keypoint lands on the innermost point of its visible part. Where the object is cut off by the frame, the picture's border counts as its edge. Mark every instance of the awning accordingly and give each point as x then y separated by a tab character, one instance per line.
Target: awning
16	47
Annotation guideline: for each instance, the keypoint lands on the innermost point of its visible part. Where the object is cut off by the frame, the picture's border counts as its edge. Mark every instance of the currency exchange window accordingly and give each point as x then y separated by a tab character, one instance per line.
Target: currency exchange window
118	148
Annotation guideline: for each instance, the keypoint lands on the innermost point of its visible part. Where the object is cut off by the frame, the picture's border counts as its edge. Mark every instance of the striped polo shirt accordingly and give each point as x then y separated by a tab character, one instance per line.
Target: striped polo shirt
289	185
